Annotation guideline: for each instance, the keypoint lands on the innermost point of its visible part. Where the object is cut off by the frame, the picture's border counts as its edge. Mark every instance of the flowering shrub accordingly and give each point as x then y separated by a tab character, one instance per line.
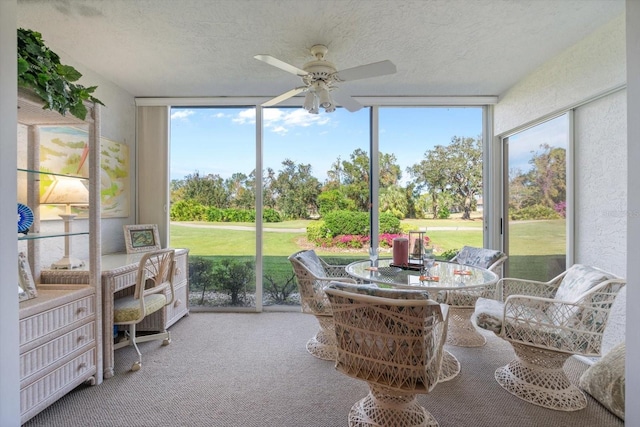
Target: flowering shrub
350	241
385	240
561	208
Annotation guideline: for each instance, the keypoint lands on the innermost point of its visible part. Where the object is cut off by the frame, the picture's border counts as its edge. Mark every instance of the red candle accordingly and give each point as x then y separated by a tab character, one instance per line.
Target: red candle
401	251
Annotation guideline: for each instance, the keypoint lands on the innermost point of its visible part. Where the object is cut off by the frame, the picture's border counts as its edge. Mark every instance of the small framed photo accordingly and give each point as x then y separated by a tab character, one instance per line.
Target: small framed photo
26	285
141	238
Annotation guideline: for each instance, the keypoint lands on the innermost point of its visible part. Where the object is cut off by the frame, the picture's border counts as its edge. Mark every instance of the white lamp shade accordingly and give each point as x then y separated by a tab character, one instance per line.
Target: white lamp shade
66	191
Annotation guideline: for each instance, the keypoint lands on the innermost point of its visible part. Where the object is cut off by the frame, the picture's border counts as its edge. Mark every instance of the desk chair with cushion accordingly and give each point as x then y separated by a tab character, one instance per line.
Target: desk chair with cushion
546	323
312	275
392	339
462	333
154	282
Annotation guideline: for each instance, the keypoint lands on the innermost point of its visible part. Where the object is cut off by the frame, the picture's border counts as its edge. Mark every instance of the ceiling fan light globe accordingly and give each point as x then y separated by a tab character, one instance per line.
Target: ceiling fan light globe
309	101
325	98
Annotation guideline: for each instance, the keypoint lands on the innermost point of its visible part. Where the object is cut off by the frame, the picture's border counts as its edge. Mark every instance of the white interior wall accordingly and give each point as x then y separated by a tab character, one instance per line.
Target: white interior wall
601	183
594	66
632	409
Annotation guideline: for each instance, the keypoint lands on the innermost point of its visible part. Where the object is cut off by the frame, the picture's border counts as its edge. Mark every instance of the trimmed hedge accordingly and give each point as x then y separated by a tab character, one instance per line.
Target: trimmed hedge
188	210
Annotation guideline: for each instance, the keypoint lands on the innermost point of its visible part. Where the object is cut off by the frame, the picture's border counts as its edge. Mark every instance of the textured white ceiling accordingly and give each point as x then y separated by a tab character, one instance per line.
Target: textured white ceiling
184	48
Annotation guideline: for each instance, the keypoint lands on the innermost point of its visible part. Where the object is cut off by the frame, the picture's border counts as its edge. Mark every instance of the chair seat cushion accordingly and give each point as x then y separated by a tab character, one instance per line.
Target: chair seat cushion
488	314
605	380
127	309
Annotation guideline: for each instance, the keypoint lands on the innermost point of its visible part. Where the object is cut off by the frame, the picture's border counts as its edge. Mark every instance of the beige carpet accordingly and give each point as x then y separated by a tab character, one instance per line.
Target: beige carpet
252	370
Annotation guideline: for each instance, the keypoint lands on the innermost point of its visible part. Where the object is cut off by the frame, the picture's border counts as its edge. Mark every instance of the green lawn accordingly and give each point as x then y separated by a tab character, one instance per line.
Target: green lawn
528	237
534	253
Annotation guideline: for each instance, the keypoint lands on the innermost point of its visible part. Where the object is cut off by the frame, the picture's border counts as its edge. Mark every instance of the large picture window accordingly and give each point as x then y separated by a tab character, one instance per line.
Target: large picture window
316	182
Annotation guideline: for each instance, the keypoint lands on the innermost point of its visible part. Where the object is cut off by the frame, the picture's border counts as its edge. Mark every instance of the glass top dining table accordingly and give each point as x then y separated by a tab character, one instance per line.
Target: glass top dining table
442	276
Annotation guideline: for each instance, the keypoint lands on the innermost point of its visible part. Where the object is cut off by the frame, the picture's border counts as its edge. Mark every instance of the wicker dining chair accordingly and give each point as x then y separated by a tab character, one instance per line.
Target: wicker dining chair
546	323
156	272
312	275
392	339
462	301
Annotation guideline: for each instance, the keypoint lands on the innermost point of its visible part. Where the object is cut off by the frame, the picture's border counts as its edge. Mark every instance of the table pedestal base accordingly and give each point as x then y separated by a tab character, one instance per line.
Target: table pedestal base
461	332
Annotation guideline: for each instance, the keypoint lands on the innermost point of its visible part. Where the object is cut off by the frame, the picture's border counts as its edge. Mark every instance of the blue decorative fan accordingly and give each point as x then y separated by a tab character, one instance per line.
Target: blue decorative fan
25	218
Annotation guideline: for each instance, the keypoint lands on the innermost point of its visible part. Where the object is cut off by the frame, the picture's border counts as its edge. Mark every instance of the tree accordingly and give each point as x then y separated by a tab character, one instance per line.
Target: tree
455	169
356	179
394	200
549	175
430	174
334	200
296	190
465	170
389	172
207	190
241	192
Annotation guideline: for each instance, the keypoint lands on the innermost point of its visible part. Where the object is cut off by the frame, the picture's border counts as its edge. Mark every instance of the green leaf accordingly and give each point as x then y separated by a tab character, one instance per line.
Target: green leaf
40	69
23	66
68	72
78	110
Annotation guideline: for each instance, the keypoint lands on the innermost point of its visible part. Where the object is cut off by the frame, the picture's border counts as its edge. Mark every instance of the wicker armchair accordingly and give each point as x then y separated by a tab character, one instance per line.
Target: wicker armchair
312	275
156	272
462	333
546	323
392	339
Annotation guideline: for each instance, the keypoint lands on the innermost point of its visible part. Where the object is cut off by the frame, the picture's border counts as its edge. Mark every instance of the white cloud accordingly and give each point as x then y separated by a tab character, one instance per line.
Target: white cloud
182	114
282	121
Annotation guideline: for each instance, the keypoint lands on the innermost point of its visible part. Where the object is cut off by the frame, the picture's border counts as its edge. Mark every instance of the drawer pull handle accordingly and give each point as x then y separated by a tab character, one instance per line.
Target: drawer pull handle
82	338
82	365
81	310
177	303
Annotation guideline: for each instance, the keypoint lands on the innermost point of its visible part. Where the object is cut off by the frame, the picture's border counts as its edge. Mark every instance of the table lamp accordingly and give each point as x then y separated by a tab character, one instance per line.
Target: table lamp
66	191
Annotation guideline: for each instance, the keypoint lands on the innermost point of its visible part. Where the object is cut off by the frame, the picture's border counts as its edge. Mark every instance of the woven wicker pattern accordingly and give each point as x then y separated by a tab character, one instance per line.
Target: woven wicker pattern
395	345
312	275
155	278
545	331
462	333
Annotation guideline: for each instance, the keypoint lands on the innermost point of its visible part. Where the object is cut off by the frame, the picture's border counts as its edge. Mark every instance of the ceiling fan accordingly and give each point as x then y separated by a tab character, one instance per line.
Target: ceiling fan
320	78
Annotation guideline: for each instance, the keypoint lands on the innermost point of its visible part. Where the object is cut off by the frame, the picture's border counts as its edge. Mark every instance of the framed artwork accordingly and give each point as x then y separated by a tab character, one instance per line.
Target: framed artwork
26	285
141	238
64	150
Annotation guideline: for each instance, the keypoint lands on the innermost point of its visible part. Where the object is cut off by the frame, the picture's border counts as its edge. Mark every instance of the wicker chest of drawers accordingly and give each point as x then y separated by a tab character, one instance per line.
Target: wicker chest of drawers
58	351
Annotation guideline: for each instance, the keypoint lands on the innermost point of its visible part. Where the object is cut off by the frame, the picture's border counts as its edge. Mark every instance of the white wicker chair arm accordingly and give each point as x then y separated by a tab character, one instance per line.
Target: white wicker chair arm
511	286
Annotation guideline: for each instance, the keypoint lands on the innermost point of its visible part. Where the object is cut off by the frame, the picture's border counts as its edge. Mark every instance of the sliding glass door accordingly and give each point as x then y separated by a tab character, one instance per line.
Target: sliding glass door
430	173
313	164
535	226
212	194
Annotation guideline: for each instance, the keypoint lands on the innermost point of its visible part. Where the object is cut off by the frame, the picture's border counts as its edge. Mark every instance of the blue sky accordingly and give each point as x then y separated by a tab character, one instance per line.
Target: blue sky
222	140
554	132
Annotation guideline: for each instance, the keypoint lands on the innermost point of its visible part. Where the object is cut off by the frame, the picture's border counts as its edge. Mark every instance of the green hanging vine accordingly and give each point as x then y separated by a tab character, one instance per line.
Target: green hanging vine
40	69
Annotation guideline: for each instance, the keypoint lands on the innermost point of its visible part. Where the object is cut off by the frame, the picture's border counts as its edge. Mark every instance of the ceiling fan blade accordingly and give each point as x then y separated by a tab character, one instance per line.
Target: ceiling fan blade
281	64
365	71
345	100
278	99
